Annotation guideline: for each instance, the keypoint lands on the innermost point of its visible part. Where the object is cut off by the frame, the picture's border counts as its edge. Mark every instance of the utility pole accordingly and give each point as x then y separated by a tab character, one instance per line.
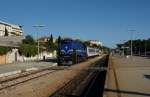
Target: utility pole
123	47
131	45
38	43
145	48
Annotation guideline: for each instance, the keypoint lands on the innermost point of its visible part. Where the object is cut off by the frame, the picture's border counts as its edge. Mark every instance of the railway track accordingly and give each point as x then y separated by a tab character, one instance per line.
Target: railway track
74	87
96	87
70	88
83	83
115	76
27	76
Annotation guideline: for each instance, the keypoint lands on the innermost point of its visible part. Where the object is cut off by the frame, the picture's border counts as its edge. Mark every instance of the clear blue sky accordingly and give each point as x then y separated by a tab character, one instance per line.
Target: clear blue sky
106	20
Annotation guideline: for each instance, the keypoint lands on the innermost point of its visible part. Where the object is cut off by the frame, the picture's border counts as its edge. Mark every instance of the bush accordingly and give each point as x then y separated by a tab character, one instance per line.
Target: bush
4	50
28	50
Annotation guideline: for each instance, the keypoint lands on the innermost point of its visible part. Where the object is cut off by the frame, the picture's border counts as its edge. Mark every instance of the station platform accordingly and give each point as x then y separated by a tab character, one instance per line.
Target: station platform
128	77
14	68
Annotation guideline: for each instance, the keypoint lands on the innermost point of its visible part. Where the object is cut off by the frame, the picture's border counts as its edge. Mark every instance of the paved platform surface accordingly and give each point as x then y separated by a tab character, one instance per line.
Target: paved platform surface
4	68
128	77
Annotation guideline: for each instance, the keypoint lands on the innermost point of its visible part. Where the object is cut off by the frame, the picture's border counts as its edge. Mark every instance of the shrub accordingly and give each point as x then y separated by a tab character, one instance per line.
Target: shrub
28	50
4	50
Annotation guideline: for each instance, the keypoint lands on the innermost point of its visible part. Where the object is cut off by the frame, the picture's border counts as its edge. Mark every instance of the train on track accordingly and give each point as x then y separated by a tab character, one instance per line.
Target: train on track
74	51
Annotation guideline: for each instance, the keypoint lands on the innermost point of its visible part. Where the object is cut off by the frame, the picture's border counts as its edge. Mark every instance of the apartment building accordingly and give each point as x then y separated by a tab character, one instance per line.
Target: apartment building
7	29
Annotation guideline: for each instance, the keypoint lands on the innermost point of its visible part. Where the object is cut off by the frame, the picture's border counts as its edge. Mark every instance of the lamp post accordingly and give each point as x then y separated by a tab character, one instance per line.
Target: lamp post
38	45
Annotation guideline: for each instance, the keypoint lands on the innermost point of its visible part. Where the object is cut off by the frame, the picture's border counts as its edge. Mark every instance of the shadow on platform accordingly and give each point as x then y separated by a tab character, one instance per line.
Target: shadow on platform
147	76
127	92
50	60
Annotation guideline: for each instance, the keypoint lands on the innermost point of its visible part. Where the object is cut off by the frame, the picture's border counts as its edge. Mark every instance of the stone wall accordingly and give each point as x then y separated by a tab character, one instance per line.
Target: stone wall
14	56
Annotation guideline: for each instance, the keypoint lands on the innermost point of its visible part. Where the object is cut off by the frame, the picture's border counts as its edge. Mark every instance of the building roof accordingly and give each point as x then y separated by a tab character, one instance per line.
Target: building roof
14	25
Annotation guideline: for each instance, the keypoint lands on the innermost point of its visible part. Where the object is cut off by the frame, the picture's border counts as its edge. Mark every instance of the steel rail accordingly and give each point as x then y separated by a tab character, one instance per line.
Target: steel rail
26	75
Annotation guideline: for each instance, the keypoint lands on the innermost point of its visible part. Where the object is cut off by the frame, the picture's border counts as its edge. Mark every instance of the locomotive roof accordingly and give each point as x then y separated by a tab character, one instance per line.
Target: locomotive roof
69	39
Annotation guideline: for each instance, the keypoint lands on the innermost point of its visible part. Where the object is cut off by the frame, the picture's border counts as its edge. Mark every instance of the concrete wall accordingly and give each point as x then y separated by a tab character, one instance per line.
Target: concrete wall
40	57
11	56
14	56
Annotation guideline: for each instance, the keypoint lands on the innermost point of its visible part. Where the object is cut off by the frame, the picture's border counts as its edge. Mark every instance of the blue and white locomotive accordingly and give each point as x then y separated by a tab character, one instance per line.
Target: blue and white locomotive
70	49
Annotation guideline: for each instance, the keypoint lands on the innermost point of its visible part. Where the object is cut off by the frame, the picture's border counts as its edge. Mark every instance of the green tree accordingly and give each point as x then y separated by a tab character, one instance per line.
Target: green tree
59	39
87	43
105	49
58	47
28	50
50	45
51	38
6	32
148	44
138	45
28	40
28	47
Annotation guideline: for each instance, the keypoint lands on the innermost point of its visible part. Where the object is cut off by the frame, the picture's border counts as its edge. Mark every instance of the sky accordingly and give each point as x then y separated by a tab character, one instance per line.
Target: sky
109	21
